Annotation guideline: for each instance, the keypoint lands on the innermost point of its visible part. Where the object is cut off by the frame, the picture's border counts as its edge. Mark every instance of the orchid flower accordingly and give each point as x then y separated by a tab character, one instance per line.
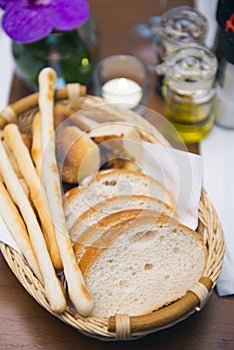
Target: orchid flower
27	21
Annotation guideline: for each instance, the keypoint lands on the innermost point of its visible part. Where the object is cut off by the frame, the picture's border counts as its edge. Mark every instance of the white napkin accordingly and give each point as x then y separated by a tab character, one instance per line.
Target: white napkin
180	172
6	237
217	151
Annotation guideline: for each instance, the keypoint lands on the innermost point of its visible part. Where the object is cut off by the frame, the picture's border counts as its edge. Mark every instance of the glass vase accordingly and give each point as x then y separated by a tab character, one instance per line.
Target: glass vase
69	53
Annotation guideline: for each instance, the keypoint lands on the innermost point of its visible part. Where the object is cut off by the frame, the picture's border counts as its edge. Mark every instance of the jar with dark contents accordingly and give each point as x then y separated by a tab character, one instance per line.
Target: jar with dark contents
189	91
225	8
225	78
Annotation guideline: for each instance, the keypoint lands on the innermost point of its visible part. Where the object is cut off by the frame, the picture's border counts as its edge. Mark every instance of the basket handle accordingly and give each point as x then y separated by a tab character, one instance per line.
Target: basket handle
74	92
193	300
71	91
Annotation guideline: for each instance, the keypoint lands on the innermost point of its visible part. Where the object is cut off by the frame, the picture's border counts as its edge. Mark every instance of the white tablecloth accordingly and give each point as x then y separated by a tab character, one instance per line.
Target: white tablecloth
217	150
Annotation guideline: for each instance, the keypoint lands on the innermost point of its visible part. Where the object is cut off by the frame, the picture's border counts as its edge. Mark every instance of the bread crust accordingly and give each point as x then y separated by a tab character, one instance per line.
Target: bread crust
111	183
36	150
120	145
77	290
53	289
64	115
24	162
110	227
144	230
84	234
102	174
17	228
78	156
128	217
104	205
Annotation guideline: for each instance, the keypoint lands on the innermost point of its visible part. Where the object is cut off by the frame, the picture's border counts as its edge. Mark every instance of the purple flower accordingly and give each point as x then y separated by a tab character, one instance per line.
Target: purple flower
3	4
27	21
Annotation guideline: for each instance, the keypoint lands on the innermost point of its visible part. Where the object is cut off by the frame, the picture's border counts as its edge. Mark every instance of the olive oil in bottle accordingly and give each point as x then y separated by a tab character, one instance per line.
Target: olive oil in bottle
189	91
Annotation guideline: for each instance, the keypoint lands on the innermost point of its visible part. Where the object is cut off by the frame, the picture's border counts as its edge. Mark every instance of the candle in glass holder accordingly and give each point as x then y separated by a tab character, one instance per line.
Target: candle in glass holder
122	91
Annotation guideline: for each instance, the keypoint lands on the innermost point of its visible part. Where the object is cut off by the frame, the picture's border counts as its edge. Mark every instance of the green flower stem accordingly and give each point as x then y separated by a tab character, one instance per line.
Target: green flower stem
66	52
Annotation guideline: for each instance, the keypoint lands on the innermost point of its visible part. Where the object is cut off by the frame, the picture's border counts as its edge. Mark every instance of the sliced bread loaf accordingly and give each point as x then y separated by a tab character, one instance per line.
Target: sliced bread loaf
93	235
111	183
157	266
113	205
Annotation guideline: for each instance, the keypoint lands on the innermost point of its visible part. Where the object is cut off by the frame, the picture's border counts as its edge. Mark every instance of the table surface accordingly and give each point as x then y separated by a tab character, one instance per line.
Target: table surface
24	324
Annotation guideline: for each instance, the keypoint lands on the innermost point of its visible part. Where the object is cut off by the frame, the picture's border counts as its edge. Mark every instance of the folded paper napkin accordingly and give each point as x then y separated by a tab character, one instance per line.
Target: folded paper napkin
180	172
217	151
6	237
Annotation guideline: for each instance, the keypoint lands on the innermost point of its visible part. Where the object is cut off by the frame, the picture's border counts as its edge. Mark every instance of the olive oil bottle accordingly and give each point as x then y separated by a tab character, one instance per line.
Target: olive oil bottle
189	91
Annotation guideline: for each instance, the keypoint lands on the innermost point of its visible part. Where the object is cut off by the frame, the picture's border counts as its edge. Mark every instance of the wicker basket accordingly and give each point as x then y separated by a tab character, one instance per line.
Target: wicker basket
118	327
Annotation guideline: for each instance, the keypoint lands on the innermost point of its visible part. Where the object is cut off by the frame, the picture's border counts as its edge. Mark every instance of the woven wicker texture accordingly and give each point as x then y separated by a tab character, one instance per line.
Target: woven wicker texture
120	326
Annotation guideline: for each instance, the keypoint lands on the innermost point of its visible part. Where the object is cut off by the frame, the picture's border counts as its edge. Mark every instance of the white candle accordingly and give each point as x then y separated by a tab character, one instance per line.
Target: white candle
122	91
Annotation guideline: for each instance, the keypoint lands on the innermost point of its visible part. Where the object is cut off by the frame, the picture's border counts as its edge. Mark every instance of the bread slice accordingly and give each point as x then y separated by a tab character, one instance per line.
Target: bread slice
111	183
92	236
144	265
83	226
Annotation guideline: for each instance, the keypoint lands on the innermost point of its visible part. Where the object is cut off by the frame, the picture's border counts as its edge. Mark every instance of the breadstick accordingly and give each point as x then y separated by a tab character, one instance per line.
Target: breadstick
15	143
77	289
16	227
11	159
36	150
53	288
16	168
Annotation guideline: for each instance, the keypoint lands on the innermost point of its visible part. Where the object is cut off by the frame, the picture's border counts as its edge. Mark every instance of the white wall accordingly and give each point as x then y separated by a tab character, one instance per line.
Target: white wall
6	68
208	8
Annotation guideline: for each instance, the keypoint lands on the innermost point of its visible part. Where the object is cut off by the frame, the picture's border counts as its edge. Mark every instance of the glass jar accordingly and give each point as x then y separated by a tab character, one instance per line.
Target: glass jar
70	53
181	26
189	91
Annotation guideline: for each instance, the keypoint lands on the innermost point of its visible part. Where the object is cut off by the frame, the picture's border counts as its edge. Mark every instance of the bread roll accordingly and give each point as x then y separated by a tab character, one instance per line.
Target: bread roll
144	265
65	116
120	144
78	156
122	130
61	114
